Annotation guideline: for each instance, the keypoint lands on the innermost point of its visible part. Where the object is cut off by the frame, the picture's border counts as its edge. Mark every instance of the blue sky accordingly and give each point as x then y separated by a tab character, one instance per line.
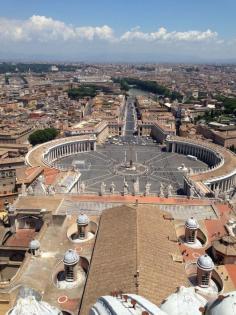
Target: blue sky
151	30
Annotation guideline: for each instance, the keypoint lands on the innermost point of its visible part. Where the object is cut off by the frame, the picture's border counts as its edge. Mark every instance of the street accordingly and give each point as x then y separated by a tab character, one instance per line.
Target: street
130	121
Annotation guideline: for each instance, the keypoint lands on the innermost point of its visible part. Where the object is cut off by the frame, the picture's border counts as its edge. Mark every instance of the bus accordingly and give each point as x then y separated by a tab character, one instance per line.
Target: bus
192	157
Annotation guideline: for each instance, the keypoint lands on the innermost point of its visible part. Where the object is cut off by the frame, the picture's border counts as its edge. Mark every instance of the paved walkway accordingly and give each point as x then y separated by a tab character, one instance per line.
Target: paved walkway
179	208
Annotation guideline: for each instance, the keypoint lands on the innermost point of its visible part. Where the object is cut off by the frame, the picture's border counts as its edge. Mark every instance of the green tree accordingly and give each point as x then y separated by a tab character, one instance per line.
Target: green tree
43	135
149	86
82	91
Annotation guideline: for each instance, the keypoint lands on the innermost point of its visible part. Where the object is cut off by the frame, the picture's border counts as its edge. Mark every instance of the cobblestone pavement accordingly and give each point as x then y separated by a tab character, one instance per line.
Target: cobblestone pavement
100	167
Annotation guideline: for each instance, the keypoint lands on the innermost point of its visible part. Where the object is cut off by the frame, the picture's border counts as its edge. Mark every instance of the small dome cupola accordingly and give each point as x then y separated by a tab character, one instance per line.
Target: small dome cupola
34	247
205	267
192	224
34	244
191	227
83	219
205	263
82	226
71	258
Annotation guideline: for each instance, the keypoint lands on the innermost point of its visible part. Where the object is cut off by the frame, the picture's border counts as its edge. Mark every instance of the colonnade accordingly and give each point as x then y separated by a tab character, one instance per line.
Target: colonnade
211	157
204	154
223	184
69	148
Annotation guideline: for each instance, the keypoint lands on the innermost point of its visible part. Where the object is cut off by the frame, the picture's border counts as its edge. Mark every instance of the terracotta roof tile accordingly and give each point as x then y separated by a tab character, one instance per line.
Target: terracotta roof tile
133	253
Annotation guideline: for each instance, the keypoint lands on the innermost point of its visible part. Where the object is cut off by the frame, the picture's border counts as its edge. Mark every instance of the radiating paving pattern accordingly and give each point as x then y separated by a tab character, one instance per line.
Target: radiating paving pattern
101	167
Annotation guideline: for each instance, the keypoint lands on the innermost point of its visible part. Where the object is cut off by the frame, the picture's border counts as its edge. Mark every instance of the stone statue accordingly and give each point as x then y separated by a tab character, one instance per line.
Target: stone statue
136	186
125	187
147	189
30	191
11	209
169	190
190	171
162	194
41	179
23	190
192	191
51	190
74	168
103	189
225	196
183	168
82	187
217	192
112	188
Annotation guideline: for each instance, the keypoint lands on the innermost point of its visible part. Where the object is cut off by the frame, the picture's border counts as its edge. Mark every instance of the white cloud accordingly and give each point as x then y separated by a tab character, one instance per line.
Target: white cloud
41	36
45	29
163	35
90	33
42	28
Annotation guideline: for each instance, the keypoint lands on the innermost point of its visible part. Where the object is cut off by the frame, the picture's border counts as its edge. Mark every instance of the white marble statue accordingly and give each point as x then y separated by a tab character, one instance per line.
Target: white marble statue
23	190
125	187
225	196
82	187
103	189
136	186
41	179
147	189
192	191
51	190
183	168
169	190
162	194
30	191
217	192
112	188
190	171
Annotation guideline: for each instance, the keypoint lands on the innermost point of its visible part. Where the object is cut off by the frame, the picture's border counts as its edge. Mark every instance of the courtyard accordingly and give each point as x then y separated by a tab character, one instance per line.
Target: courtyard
135	166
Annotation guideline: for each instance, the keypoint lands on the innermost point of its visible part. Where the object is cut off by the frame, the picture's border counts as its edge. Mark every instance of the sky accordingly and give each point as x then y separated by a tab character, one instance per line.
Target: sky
195	31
